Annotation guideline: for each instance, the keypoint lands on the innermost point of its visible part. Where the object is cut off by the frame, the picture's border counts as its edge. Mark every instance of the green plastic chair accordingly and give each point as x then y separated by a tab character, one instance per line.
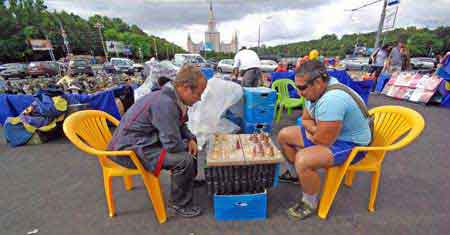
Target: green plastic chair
283	99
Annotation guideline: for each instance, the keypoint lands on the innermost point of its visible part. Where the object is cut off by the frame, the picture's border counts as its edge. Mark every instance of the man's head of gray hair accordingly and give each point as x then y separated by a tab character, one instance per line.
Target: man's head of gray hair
313	69
188	75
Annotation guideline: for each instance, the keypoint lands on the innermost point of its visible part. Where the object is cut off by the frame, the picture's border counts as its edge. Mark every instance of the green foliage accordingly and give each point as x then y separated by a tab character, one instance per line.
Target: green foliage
419	41
21	20
217	55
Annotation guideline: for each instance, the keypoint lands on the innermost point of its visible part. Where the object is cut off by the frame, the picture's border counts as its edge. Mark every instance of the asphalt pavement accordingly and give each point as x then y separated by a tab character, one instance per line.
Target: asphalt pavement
57	189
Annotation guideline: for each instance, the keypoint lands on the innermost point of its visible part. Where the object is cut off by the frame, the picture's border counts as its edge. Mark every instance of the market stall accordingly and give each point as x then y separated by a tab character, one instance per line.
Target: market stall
416	87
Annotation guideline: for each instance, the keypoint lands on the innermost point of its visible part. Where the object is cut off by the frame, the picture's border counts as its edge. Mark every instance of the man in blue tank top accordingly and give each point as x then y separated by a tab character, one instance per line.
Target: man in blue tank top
332	124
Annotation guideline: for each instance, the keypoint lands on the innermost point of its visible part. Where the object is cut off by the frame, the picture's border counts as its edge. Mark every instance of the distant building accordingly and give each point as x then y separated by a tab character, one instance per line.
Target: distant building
212	39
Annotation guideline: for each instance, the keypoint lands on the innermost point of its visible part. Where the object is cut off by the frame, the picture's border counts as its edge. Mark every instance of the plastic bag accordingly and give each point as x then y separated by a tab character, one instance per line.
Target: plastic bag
155	70
205	117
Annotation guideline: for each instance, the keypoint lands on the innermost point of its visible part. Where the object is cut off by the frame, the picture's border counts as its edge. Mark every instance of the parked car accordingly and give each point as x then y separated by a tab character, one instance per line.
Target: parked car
14	70
268	66
80	66
356	63
181	59
422	63
119	65
270	57
168	64
2	67
213	63
225	66
43	68
137	67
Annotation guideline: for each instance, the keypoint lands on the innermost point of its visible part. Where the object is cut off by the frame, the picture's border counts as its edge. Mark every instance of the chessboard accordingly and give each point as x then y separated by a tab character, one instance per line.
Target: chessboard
244	149
259	149
226	151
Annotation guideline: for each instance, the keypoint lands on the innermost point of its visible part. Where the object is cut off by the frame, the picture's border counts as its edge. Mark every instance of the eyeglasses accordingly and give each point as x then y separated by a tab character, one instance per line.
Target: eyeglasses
307	84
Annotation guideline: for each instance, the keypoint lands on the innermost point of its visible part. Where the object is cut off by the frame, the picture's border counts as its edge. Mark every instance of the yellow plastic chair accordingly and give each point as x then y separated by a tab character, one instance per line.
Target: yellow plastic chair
390	124
88	130
283	99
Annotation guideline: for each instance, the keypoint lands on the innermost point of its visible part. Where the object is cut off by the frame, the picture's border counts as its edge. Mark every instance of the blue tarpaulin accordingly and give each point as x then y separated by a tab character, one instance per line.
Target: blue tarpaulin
13	105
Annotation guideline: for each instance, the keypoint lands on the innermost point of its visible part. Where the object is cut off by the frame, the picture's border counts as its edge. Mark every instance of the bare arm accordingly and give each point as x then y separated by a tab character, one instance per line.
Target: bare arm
308	122
326	132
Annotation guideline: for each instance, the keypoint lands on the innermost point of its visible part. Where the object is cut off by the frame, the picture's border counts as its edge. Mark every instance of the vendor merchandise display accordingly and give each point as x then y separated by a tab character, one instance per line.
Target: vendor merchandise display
412	86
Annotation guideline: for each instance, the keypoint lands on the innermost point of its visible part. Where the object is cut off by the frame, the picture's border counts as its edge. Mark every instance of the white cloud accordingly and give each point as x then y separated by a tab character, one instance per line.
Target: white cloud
290	21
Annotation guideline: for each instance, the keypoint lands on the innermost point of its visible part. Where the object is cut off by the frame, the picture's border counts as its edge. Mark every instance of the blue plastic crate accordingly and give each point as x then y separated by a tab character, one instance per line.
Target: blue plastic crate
259	97
250	127
259	114
240	207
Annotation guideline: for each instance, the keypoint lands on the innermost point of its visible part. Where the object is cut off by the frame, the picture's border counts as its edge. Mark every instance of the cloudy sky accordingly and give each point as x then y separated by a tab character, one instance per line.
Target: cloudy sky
282	21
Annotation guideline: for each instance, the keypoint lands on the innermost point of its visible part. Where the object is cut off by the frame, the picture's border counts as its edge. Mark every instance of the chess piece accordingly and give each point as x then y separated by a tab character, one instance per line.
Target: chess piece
259	149
268	151
254	151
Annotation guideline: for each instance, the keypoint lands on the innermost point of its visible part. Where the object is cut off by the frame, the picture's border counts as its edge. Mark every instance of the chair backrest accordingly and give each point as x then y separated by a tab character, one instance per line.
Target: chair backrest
88	130
282	87
395	126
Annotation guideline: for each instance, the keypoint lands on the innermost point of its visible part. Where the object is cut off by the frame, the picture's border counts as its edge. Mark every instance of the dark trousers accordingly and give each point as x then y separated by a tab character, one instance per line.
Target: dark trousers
251	77
183	169
376	70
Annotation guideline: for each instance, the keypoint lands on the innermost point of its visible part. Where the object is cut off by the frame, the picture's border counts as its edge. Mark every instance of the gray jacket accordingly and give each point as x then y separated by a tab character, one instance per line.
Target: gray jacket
154	122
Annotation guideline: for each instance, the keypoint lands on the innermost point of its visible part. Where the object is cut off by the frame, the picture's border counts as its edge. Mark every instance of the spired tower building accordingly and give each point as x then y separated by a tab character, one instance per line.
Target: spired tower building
212	38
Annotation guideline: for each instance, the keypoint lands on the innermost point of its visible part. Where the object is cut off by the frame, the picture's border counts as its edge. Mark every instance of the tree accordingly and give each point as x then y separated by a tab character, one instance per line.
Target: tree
29	19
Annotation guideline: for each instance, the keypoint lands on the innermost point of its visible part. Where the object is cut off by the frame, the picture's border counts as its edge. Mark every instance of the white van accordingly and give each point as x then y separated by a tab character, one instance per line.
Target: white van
181	59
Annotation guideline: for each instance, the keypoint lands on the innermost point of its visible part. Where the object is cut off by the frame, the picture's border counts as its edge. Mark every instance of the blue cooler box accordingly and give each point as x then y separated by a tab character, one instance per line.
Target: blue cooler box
240	207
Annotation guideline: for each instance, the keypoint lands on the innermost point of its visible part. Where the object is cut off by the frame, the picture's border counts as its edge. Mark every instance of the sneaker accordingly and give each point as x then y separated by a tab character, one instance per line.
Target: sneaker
300	211
187	211
286	177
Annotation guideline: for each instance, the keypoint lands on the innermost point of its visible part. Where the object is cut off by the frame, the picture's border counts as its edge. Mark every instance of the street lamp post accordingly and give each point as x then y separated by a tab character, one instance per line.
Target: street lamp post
259	30
99	26
380	25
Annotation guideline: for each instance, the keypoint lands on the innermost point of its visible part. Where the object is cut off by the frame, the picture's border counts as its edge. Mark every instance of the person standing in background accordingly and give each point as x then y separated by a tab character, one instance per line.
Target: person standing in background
247	65
378	58
406	58
394	63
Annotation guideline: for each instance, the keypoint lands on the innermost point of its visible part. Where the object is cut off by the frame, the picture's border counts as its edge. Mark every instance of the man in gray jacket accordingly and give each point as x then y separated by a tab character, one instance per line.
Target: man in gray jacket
154	127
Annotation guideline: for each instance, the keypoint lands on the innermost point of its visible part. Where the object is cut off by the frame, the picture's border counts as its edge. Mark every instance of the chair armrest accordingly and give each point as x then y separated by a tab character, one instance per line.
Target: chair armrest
391	147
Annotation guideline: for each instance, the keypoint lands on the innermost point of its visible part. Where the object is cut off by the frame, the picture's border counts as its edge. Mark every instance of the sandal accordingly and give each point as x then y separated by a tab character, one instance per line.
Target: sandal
300	211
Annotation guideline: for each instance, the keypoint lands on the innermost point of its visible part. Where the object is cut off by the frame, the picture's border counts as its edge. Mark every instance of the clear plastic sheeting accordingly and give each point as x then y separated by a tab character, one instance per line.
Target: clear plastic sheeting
206	116
153	70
